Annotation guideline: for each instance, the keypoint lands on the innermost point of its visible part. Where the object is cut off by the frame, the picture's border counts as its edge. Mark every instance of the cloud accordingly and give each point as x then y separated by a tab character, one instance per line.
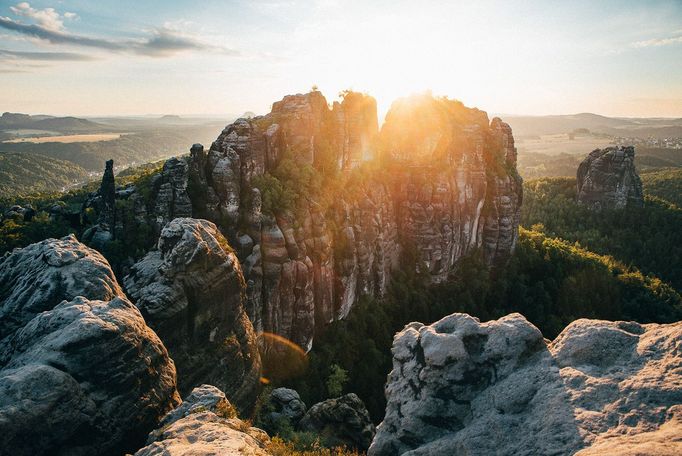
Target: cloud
166	41
44	56
658	42
163	41
57	37
47	18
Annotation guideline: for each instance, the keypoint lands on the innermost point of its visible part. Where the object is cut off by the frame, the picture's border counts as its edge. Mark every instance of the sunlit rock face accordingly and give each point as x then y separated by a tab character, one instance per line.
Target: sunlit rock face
460	386
607	179
457	188
444	183
191	291
80	371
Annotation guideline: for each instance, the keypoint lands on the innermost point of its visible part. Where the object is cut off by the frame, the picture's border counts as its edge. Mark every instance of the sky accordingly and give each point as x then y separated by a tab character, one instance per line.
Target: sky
205	57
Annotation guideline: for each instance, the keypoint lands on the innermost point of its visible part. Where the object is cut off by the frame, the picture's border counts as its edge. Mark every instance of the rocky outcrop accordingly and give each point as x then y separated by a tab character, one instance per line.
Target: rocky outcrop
464	387
343	421
80	371
190	291
284	406
607	179
449	188
458	190
205	424
315	230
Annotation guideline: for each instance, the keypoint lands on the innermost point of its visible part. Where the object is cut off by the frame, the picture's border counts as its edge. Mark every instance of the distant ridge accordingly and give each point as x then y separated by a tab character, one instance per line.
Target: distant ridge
596	123
10	120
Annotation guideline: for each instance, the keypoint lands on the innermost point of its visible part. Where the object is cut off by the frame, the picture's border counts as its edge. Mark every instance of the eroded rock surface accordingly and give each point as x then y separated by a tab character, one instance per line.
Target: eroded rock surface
206	434
464	387
205	424
191	290
80	371
448	188
315	227
343	421
607	179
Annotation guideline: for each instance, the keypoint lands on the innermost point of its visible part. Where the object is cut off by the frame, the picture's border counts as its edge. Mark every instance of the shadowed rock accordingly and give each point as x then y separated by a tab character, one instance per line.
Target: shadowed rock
608	179
191	291
343	421
80	371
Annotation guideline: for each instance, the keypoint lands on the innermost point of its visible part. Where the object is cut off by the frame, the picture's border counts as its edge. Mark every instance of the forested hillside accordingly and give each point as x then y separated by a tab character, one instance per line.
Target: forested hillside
648	238
22	173
664	183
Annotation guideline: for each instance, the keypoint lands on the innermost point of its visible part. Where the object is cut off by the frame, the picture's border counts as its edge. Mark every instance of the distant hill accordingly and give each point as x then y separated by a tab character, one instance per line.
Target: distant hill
22	173
17	121
617	126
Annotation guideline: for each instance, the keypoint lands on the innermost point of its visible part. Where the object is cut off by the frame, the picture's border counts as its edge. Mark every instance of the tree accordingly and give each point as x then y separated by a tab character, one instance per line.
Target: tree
338	377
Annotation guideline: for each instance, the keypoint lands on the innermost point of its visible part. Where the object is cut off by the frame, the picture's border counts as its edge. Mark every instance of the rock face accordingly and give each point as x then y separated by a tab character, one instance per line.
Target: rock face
314	228
205	424
448	189
80	371
190	291
343	421
464	387
607	179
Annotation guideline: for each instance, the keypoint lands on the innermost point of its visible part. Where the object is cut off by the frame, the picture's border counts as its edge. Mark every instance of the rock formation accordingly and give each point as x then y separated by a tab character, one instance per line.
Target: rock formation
343	421
464	387
205	424
190	291
283	404
315	230
447	190
607	179
80	371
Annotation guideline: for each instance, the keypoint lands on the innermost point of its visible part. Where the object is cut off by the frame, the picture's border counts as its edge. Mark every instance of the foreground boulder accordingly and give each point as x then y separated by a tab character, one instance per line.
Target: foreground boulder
190	291
343	421
607	179
283	407
205	424
464	387
80	371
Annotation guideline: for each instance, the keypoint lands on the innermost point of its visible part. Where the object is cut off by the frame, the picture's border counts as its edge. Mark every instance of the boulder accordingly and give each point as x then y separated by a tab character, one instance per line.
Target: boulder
460	386
191	290
283	404
608	179
80	371
205	424
204	433
343	421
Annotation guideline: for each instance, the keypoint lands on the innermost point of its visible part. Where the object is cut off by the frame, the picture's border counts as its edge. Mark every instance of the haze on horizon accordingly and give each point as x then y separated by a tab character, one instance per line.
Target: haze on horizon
73	57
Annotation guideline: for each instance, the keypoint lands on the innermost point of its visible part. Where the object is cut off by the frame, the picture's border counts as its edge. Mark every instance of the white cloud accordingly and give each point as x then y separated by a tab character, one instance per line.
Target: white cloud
658	42
47	18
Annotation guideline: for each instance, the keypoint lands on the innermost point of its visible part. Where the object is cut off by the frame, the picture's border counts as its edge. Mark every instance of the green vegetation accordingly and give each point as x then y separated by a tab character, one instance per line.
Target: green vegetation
22	173
305	444
133	242
665	184
649	238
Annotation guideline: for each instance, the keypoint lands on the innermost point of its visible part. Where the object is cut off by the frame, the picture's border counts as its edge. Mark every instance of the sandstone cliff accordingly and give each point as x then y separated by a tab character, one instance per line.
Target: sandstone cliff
447	190
464	387
319	205
607	179
80	371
